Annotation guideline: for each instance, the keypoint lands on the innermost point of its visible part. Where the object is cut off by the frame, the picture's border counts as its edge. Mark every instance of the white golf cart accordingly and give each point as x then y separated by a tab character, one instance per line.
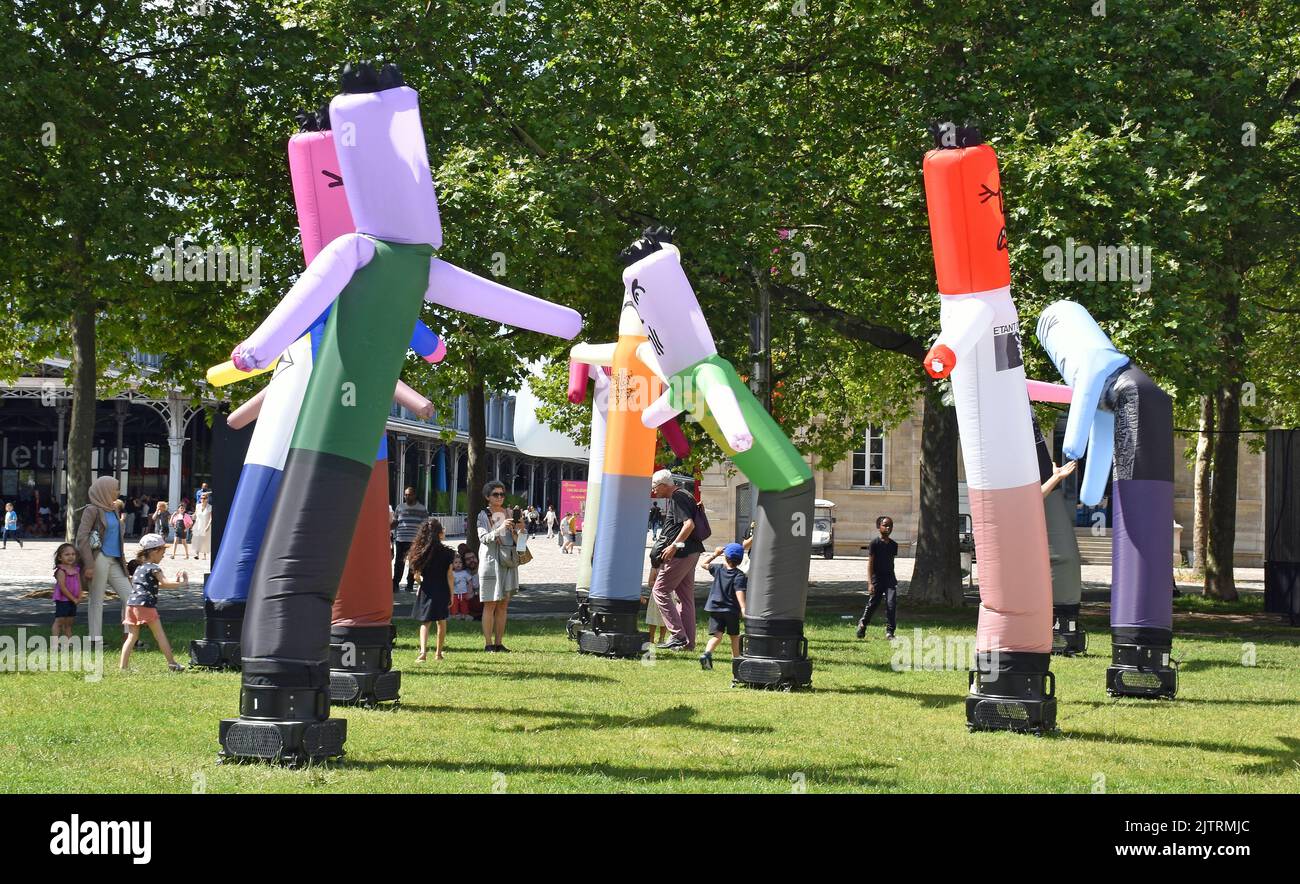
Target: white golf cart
823	530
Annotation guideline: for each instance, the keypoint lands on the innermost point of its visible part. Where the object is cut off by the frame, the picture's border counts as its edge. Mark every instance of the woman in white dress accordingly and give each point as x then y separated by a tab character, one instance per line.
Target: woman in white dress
203	527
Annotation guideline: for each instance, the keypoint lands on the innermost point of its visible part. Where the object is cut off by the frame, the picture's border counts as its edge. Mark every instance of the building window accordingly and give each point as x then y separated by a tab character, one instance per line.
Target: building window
869	460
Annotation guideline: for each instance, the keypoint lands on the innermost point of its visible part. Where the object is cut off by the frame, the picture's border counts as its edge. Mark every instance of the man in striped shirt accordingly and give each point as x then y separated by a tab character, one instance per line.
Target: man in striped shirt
407	518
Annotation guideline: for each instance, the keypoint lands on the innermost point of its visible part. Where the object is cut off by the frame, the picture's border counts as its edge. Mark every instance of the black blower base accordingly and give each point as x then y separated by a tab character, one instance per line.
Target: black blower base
206	654
1142	670
361	666
366	689
1068	637
580	620
281	741
1019	696
773	656
610	630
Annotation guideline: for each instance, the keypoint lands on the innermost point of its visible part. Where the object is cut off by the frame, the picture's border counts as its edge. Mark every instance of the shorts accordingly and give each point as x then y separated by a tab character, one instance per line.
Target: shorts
65	609
724	621
139	615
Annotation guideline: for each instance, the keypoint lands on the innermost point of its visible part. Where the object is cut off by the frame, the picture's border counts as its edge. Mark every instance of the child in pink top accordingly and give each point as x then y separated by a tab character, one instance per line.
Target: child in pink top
67	589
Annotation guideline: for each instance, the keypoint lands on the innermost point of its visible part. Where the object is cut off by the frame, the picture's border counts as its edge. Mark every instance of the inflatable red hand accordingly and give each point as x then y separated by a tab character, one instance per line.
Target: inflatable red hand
940	362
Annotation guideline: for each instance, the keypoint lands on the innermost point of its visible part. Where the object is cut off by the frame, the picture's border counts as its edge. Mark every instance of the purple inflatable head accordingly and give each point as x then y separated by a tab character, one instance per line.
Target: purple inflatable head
382	156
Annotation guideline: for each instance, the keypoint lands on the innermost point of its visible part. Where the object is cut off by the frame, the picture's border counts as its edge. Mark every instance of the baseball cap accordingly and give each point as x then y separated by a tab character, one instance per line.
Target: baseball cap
733	551
152	541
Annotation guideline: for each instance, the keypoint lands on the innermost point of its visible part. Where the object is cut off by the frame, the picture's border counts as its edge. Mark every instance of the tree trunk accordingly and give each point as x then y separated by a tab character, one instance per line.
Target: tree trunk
477	454
81	431
936	574
1219	583
1201	484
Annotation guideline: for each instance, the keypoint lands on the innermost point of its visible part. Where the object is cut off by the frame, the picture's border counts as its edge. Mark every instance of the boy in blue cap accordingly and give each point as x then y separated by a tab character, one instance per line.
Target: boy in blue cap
726	604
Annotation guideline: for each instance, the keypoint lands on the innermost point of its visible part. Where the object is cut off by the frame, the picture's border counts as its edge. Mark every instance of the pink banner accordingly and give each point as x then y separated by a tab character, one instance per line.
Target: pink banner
573	499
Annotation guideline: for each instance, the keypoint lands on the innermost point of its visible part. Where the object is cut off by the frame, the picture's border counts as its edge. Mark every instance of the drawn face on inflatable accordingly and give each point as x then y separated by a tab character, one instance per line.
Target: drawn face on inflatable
674	323
382	156
318	193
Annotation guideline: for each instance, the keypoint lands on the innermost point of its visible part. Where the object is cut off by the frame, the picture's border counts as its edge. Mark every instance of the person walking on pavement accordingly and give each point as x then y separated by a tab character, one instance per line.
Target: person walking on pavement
407	519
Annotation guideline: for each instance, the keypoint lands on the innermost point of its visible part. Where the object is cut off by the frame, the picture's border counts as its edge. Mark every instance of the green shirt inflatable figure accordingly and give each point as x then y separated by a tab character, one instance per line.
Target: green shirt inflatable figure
701	383
375	280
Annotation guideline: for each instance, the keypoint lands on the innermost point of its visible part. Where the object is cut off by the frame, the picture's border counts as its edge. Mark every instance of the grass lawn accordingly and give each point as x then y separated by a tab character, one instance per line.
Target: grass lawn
545	719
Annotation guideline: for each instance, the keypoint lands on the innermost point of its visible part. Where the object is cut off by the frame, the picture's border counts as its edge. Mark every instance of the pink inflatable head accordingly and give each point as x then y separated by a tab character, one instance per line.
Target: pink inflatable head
318	193
382	156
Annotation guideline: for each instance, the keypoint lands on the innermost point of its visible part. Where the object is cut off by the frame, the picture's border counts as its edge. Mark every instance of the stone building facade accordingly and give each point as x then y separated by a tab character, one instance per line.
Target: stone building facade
883	477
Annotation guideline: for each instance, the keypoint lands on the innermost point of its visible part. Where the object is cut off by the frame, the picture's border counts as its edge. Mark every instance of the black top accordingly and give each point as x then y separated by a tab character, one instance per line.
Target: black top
144	586
681	506
722	596
433	569
882	552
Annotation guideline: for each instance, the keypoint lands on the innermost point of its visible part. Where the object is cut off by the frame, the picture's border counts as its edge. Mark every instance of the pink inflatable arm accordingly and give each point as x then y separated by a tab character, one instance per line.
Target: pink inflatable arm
461	290
412	401
676	439
246	413
1042	391
402	395
315	290
580	374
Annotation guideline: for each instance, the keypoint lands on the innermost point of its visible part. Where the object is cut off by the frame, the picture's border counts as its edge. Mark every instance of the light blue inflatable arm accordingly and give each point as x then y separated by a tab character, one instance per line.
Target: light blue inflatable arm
1101	451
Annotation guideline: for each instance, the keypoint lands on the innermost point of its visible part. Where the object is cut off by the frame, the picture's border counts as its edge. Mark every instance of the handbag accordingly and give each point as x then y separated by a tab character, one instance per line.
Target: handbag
525	557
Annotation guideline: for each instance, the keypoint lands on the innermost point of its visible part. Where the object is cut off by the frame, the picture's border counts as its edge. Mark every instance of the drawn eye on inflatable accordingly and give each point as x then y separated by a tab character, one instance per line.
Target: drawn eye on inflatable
637	291
987	193
336	180
654	339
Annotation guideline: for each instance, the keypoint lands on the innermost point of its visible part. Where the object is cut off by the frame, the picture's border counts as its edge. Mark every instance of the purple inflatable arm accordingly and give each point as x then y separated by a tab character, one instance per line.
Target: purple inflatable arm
450	286
315	290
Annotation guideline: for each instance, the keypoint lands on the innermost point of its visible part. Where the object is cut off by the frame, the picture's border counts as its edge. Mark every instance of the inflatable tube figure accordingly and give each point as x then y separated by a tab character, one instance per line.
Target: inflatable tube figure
375	281
597	375
323	215
979	345
618	548
1068	637
704	385
1117	413
582	374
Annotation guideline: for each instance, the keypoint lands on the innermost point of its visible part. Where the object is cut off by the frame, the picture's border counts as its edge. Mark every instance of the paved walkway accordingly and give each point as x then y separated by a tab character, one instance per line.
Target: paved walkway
838	584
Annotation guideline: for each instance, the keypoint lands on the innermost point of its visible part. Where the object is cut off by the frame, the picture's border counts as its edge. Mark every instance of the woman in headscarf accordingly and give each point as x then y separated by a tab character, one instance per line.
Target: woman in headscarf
106	564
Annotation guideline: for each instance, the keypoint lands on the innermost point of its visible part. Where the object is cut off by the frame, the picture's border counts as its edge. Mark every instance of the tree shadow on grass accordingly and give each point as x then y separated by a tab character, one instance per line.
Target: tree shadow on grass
511	674
1274	762
792	778
1184	701
927	701
1204	665
563	719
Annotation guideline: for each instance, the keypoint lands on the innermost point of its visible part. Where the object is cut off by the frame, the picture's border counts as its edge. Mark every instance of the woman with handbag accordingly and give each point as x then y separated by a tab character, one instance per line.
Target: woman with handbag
99	541
498	564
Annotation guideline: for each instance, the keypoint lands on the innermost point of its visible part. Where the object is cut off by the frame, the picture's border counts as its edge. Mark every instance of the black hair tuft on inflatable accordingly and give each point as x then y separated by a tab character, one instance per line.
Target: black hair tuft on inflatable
650	241
359	78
